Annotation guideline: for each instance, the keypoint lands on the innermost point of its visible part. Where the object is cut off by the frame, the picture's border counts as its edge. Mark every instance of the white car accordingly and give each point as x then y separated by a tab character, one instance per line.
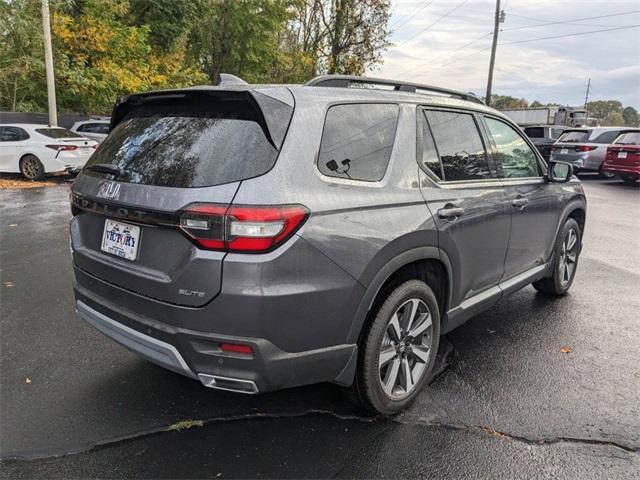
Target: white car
35	150
94	129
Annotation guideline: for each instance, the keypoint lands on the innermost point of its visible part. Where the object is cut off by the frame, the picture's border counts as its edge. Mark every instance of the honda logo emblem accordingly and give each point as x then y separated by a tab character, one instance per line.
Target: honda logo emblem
109	190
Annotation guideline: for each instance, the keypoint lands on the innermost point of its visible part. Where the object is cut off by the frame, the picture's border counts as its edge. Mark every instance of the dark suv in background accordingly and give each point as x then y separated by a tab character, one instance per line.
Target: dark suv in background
262	237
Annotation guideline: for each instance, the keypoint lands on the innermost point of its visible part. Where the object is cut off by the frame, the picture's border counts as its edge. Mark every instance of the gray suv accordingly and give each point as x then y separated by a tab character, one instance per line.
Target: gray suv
262	237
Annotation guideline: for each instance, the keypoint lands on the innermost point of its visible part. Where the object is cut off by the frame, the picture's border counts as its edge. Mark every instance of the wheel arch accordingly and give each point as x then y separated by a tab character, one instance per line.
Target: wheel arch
427	263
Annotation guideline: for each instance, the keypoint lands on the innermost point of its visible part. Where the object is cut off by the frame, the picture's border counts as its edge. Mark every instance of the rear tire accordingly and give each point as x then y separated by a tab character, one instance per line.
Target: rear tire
605	175
31	167
398	349
565	261
629	179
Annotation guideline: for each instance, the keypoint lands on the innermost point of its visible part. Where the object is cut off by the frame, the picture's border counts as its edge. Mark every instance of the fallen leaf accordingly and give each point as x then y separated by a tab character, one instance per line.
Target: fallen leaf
566	349
8	284
184	424
27	380
13	224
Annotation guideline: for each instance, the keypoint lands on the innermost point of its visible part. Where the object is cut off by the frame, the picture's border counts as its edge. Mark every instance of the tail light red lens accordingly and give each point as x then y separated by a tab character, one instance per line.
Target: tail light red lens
60	148
247	229
584	148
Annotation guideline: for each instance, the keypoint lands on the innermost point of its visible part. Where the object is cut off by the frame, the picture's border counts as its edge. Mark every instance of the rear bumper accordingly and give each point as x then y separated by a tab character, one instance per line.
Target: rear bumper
196	354
624	169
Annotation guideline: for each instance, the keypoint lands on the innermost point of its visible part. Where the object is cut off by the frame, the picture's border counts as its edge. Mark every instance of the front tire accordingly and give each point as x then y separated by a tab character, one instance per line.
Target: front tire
398	349
31	168
565	261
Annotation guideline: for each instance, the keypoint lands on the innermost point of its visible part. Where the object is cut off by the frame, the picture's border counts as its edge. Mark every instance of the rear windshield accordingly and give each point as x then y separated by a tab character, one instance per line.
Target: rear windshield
57	133
183	142
629	138
574	136
534	132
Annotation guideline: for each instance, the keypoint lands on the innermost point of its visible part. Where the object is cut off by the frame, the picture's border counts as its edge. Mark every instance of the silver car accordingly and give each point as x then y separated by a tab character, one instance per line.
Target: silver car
94	129
585	148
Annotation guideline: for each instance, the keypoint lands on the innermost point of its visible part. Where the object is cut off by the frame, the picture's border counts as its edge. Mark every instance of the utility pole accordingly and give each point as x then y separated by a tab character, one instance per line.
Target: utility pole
48	61
586	100
499	17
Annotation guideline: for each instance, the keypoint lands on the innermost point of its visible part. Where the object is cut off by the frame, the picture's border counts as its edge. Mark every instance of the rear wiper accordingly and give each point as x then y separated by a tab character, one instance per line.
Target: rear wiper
105	168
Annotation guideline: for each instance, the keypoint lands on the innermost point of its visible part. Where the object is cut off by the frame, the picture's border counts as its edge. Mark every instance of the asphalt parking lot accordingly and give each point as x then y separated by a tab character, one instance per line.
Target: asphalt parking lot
534	387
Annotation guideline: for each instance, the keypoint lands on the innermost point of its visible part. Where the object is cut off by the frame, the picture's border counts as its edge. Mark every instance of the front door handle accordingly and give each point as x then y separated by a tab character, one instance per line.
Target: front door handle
450	212
520	202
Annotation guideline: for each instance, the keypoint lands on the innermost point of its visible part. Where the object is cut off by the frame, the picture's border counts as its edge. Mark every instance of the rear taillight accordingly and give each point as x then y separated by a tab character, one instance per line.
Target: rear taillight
584	148
60	148
248	229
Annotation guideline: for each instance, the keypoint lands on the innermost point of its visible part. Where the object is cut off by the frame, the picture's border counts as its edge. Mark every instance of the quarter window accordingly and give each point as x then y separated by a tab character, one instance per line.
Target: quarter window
459	145
357	141
515	159
426	148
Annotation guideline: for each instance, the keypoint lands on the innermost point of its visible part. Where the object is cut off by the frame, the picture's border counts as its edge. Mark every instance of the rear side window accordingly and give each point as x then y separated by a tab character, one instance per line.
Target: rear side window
574	136
94	128
514	156
195	140
56	133
426	148
556	132
606	137
629	138
459	145
534	132
357	141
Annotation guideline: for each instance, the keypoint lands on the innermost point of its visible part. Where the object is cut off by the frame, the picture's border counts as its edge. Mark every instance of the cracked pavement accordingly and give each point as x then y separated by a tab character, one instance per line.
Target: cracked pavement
510	404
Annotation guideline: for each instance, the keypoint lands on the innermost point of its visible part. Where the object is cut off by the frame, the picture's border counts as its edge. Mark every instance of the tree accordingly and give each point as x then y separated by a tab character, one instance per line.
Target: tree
239	37
630	117
501	102
354	34
22	78
100	56
614	119
169	21
601	109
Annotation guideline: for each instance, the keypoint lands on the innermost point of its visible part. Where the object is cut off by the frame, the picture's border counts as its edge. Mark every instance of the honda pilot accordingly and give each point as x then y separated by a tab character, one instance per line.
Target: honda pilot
262	237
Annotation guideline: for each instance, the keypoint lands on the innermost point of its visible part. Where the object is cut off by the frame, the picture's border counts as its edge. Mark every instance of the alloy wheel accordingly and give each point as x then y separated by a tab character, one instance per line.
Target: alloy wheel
405	350
30	167
568	257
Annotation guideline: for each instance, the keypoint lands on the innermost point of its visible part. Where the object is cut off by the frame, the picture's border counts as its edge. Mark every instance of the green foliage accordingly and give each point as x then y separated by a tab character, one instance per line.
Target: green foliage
631	117
501	102
22	77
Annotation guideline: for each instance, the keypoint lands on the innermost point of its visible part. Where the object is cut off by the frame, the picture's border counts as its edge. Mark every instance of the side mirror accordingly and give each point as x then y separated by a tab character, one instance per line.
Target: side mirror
560	172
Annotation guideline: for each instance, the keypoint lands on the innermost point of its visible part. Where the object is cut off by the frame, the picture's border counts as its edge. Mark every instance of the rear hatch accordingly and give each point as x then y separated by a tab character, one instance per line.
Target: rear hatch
167	151
625	150
572	144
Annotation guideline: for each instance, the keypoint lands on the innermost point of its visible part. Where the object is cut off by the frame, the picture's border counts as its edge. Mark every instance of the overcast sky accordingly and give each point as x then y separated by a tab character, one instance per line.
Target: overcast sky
430	48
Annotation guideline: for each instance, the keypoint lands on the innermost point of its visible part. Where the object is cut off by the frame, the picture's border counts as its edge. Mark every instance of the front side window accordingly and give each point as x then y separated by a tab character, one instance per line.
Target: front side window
460	146
357	141
514	157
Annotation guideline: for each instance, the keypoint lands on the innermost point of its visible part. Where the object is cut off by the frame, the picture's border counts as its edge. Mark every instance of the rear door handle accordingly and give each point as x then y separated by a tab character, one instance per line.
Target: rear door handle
450	212
520	202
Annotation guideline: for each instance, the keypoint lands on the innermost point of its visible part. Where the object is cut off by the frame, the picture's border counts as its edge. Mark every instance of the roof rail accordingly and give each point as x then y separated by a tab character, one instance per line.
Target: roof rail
346	81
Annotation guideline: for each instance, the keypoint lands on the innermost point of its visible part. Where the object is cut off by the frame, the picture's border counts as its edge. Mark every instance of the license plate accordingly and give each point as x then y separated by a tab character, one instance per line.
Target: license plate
564	151
121	239
85	150
622	154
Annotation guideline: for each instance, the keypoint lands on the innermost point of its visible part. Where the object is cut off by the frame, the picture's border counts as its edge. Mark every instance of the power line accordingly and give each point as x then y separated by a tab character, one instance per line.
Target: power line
570	35
433	23
564	21
447	52
405	18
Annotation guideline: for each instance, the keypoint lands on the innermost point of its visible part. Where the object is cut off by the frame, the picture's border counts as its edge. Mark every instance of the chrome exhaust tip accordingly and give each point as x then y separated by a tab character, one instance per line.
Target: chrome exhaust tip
230	384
